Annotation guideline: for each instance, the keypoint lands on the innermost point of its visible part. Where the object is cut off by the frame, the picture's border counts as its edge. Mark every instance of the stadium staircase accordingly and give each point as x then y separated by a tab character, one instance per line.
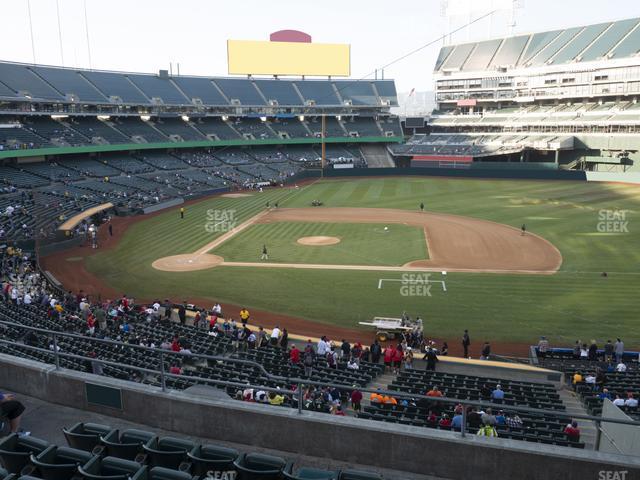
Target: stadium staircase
574	406
377	156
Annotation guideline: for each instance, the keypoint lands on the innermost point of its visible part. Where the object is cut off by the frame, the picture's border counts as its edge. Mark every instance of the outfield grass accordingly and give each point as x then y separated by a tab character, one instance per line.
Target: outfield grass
575	303
360	244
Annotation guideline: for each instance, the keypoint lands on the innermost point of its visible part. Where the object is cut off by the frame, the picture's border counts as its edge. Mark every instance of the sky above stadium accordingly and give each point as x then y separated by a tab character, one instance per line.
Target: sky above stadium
146	35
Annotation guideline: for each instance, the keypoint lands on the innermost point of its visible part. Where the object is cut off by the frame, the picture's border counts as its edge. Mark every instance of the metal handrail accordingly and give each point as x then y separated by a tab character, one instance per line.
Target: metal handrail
299	382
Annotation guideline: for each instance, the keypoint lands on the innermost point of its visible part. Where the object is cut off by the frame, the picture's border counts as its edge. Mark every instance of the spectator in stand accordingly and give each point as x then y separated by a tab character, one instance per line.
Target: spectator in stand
445	422
388	358
543	347
432	419
408	359
244	315
618	349
294	355
497	395
488	418
485	392
584	352
619	401
376	352
500	418
621	367
352	364
308	359
434	392
398	356
275	336
576	350
431	359
604	394
514	421
12	409
631	401
284	339
593	351
445	349
182	312
323	346
345	349
608	351
572	432
456	422
486	351
356	399
332	358
577	378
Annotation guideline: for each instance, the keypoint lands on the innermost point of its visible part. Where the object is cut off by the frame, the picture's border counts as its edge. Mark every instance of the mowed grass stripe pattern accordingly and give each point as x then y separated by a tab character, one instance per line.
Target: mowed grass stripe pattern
361	244
576	303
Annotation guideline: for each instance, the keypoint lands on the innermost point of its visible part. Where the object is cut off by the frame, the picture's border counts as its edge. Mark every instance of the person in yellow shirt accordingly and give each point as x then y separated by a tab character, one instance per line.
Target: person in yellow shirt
244	315
577	378
276	399
181	212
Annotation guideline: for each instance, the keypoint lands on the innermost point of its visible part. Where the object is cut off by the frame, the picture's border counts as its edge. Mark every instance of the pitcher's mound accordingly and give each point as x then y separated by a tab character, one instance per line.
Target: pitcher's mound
187	263
236	195
318	241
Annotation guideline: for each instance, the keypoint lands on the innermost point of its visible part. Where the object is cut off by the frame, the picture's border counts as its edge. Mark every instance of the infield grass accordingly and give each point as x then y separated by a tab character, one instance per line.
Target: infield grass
360	244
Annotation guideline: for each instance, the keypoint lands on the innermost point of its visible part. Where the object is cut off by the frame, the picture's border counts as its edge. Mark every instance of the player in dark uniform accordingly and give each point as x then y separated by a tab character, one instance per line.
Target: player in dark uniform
265	255
422	206
523	229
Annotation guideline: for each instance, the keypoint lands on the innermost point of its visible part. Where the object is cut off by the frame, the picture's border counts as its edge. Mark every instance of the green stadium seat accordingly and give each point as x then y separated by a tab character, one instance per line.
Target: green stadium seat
306	473
253	466
15	451
85	436
59	463
167	452
127	444
206	458
111	468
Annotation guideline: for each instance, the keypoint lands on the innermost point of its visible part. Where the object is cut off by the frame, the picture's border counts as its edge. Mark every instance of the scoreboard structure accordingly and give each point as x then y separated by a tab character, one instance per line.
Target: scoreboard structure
288	52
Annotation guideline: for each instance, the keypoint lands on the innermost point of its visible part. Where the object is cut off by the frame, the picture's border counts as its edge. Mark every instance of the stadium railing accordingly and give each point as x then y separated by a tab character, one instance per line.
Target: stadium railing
298	382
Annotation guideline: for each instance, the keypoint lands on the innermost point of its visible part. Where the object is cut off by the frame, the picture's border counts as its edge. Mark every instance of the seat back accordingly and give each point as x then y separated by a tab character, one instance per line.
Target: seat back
15	451
259	466
208	458
358	475
160	473
85	436
109	468
59	463
127	444
167	452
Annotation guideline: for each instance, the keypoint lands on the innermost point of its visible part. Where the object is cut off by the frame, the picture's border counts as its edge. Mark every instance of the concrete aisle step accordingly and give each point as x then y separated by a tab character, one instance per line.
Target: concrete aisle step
588	430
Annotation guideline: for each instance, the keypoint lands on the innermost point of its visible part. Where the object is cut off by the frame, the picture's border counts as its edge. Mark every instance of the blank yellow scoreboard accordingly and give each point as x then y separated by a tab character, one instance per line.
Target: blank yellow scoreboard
248	57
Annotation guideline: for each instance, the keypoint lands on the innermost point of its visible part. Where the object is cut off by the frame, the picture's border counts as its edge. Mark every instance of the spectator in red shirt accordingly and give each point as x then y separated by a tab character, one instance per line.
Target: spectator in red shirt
432	419
175	345
389	353
398	356
294	355
213	321
445	422
356	399
175	369
572	431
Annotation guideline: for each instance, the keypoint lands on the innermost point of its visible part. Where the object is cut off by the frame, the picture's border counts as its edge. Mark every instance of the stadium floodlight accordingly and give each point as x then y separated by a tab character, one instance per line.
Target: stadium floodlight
104	117
59	117
185	118
145	118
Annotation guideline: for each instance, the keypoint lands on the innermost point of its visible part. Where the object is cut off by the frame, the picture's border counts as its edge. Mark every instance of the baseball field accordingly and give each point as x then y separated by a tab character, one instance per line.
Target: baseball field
370	251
